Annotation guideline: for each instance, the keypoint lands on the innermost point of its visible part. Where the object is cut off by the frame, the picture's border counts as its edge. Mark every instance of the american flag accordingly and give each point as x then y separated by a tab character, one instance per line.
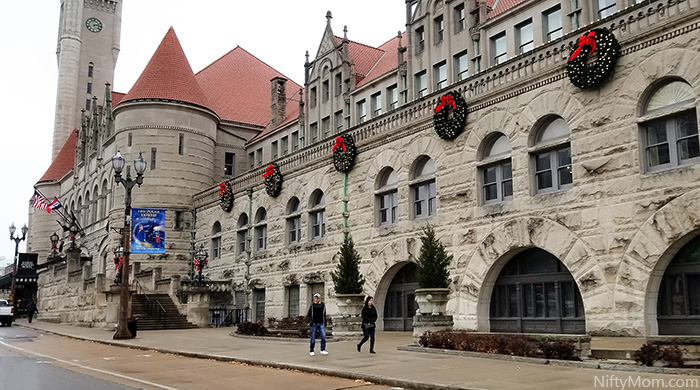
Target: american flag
42	203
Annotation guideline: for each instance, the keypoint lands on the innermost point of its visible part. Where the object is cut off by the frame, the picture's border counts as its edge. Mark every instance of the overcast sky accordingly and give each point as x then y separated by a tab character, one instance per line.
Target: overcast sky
278	32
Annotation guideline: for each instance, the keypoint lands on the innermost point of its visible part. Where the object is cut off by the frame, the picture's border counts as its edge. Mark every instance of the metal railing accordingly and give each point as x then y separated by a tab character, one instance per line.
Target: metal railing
227	317
153	306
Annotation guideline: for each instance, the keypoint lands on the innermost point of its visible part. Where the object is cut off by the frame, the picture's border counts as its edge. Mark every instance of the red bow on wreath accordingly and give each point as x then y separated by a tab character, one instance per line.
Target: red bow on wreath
444	100
270	171
588	39
222	188
339	141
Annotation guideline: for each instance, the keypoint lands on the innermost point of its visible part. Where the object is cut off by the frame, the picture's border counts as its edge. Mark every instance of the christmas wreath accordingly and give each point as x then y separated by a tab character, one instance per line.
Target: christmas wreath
450	115
344	153
225	196
273	180
603	43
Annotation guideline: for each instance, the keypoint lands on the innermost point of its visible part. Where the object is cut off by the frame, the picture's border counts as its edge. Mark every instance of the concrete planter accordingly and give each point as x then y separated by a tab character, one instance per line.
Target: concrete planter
432	301
349	305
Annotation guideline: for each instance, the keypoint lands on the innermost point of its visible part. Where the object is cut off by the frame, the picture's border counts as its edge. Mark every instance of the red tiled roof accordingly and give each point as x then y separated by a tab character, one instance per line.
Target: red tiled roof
500	6
64	161
238	86
364	57
388	62
117	97
168	76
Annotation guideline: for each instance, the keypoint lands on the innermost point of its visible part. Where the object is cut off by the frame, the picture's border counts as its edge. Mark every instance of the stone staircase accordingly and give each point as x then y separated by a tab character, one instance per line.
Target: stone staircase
146	321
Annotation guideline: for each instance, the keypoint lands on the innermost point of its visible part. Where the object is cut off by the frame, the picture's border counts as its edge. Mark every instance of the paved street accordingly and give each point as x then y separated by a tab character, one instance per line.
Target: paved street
390	366
33	360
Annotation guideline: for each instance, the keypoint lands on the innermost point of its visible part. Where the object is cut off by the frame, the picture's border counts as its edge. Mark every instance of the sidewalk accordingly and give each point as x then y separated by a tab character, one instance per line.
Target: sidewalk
389	366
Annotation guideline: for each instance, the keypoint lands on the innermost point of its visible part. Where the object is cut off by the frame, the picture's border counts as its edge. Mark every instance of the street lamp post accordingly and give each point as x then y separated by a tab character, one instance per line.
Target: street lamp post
200	262
17	240
128	183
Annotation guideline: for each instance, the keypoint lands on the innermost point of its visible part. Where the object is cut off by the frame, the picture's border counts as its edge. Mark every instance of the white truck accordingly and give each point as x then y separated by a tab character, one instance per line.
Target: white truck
6	312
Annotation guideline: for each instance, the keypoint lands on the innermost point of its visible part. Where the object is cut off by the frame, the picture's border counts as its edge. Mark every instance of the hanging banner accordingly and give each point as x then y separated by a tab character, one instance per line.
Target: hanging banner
147	231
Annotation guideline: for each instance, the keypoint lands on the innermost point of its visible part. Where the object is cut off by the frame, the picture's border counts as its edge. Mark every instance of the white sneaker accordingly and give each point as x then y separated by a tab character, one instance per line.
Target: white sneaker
312	353
324	352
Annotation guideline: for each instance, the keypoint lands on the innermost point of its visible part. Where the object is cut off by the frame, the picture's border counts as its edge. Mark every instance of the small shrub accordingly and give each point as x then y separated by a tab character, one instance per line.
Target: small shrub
647	354
251	329
464	341
672	355
558	349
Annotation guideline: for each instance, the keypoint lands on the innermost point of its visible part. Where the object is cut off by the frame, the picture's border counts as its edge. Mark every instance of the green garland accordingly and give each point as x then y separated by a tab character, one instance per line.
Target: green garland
225	196
273	180
603	43
450	116
344	153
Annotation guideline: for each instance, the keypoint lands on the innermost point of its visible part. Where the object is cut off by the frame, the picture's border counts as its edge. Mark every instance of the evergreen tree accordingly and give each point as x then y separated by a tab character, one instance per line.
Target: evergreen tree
431	267
347	277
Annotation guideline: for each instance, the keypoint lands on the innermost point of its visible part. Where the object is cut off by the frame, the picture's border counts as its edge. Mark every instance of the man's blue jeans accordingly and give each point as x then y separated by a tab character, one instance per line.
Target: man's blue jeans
322	328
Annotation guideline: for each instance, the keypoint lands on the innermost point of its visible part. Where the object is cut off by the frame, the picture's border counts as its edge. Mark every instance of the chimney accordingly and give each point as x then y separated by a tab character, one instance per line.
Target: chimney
278	104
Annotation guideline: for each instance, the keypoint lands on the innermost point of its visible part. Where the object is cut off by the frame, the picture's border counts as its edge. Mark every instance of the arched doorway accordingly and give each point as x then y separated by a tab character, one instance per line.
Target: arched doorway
678	306
400	304
535	293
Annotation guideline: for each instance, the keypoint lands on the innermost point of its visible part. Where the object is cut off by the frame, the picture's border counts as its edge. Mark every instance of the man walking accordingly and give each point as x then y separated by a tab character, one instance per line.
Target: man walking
31	309
317	320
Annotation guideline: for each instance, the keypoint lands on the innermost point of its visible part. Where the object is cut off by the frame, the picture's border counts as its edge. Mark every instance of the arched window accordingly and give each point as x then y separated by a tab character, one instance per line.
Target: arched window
294	220
88	210
387	197
260	229
670	135
105	200
551	155
317	215
678	308
96	209
79	211
496	170
216	240
535	293
423	192
242	232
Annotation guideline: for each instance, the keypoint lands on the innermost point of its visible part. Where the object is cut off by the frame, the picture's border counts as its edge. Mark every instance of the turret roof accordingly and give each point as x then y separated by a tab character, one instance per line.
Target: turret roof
168	76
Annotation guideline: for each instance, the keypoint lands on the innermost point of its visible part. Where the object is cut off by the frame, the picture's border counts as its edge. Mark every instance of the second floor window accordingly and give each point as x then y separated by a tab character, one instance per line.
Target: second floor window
525	37
285	145
313	129
498	48
552	23
392	97
229	161
377	104
295	141
216	240
421	84
387	198
273	149
440	75
326	126
361	111
294	221
423	190
260	230
497	171
606	8
338	121
461	66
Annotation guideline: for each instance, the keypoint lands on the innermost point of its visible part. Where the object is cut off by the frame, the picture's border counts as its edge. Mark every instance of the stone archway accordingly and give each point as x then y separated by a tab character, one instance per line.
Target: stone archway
506	241
645	261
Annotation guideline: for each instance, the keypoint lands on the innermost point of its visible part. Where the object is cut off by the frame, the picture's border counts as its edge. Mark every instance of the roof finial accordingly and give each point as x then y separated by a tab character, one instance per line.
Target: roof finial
328	17
307	57
345	32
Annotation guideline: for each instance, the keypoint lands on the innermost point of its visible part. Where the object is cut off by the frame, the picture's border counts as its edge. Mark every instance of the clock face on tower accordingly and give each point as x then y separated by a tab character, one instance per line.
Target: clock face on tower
93	24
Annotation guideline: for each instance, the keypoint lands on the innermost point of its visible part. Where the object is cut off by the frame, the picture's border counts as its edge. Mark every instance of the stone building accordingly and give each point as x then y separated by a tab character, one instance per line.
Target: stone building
567	210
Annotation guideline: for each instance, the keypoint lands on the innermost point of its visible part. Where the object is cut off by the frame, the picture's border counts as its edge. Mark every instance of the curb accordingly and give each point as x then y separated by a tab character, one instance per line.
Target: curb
376	379
594	365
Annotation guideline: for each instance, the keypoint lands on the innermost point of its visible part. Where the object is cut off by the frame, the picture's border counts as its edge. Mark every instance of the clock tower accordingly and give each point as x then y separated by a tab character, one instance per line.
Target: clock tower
87	50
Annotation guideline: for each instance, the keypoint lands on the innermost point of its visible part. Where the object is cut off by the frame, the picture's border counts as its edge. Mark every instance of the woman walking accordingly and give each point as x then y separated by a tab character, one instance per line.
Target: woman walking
369	317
